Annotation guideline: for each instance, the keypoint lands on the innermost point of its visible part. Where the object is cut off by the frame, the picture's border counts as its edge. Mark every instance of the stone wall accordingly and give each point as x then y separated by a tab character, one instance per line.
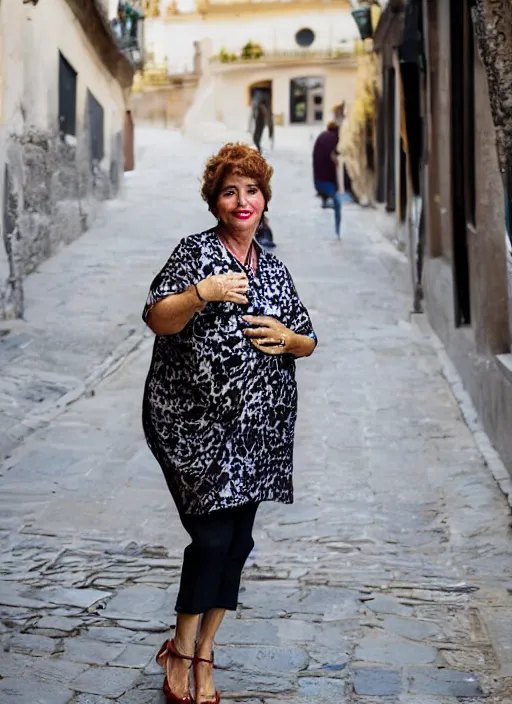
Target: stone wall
480	349
51	192
49	186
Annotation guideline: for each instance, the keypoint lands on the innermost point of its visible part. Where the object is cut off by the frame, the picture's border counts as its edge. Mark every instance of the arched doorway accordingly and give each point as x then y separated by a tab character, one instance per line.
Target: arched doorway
259	89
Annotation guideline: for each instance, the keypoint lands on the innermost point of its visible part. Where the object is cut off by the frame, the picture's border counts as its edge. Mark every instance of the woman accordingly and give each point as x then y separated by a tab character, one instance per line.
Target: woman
220	401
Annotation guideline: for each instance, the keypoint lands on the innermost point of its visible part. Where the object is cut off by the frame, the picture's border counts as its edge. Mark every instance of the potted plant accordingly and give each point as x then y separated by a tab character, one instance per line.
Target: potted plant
252	51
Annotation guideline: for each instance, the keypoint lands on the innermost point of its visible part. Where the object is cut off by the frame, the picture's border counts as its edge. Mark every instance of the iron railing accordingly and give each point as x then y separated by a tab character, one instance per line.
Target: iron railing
293	55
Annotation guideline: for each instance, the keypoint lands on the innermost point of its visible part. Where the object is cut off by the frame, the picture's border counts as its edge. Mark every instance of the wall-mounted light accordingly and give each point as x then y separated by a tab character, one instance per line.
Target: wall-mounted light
363	19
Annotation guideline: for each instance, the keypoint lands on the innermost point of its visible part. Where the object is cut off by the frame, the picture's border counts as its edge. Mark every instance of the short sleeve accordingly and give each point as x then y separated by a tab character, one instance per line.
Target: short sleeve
175	277
298	316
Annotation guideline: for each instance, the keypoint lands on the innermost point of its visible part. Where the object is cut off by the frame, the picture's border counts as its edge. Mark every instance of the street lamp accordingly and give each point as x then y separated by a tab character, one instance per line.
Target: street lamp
363	19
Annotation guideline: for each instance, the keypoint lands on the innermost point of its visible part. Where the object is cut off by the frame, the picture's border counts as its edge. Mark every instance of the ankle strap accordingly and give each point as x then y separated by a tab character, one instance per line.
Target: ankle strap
198	659
171	647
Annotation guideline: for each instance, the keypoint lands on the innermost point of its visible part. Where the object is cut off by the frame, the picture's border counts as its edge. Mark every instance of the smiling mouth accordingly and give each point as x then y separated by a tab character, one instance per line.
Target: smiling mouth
242	214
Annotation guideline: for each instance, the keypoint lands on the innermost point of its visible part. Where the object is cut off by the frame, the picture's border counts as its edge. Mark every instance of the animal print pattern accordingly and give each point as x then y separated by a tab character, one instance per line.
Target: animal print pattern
218	414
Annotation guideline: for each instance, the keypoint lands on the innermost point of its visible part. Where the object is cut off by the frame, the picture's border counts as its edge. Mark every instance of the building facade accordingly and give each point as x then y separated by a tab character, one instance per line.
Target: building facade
448	176
63	105
299	53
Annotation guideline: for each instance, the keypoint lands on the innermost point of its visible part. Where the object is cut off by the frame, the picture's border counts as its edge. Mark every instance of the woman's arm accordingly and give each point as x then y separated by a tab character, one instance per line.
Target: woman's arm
171	314
301	345
272	337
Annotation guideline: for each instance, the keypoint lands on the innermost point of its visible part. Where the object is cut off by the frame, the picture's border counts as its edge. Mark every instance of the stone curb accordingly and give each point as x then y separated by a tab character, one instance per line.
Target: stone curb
469	413
482	441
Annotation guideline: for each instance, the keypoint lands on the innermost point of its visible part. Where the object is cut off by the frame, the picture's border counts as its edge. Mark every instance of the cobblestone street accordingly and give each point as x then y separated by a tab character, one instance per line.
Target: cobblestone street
389	578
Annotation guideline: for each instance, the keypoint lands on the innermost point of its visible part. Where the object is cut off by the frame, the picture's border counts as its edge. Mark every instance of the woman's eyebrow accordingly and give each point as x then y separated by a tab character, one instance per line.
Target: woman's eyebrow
249	185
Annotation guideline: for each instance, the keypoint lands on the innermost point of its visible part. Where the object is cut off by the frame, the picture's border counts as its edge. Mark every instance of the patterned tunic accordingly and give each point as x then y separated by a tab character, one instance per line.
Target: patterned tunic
218	414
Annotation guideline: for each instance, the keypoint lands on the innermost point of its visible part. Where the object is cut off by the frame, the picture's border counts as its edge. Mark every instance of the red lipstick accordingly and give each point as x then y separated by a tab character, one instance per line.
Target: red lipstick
243	214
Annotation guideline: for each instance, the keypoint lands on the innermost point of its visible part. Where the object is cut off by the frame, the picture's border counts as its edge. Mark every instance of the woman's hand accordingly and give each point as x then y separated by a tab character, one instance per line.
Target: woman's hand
224	287
269	335
272	337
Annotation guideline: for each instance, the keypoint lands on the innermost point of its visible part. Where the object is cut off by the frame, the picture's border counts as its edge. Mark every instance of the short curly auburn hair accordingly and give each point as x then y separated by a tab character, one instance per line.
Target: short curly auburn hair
240	160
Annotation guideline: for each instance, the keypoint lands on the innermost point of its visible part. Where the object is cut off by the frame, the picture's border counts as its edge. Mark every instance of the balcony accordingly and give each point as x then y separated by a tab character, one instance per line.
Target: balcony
206	7
256	55
127	29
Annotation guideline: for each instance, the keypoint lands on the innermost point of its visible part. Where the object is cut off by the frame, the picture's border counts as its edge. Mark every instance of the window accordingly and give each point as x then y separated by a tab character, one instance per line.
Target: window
298	101
307	100
305	37
67	97
96	127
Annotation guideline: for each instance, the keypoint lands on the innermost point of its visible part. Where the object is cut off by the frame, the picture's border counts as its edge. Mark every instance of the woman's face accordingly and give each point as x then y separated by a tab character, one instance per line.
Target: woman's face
240	204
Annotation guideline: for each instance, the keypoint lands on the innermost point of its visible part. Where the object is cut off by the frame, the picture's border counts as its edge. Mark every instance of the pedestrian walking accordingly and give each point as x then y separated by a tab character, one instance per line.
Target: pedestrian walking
262	118
326	169
220	401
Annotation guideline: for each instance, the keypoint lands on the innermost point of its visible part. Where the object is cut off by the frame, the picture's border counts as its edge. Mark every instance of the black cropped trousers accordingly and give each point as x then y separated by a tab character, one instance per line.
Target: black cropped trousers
214	560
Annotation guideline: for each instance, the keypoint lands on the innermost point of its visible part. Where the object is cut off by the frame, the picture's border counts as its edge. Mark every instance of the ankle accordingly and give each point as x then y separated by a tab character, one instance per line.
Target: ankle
184	646
204	649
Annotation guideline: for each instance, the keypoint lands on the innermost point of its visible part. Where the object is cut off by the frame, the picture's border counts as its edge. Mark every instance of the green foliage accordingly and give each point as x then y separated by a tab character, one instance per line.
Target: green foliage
252	51
225	57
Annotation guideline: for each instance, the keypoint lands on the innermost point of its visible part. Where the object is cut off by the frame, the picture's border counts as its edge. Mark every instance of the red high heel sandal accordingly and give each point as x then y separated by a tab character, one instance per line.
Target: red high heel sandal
216	699
168	650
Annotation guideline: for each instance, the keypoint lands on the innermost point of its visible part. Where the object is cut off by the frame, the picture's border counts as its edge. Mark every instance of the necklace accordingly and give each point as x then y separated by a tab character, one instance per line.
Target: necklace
251	258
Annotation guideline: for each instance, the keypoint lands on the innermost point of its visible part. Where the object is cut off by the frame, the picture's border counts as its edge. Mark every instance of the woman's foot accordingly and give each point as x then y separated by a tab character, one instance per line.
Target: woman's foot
204	685
177	670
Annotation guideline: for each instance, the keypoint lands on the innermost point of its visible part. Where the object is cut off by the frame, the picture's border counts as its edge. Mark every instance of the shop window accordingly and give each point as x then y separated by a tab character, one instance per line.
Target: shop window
318	102
67	97
96	127
307	100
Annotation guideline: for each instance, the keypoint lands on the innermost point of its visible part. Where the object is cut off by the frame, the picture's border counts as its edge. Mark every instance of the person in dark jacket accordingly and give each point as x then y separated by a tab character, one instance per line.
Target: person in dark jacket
325	170
262	115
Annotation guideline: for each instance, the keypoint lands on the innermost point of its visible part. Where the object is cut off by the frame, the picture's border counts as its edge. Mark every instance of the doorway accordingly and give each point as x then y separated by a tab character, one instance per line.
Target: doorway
462	154
390	131
129	146
259	90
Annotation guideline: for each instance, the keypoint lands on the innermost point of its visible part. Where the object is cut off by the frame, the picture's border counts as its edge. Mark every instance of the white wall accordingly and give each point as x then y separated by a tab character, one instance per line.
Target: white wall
42	173
231	91
175	40
31	40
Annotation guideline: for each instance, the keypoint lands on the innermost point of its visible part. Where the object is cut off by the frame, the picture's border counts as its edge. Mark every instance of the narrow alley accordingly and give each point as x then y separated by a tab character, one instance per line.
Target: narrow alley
388	580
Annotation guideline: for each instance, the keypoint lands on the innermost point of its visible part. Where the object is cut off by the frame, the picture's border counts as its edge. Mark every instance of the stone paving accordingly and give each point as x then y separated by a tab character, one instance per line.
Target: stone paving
389	578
